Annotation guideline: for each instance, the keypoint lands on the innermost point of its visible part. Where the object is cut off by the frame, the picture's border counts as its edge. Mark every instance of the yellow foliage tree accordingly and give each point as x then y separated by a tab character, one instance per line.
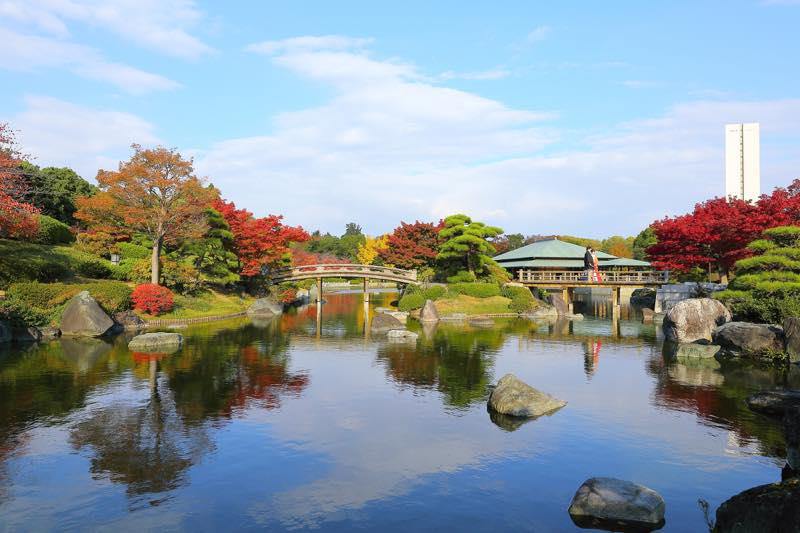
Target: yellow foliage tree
368	251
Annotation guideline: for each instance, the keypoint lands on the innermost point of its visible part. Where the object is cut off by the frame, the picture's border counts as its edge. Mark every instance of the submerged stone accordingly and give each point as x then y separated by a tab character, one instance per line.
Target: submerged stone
514	397
401	335
774	403
156	342
615	504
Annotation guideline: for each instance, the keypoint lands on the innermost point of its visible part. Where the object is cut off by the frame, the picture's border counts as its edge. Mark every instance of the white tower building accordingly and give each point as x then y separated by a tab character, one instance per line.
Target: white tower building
742	161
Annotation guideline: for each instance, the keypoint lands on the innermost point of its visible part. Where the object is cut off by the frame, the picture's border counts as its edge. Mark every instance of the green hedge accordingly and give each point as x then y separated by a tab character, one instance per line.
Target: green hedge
52	231
128	250
476	290
522	299
411	301
765	309
47	300
25	261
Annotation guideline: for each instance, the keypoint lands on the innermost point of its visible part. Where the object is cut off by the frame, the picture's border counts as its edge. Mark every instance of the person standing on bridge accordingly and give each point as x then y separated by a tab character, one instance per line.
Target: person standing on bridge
595	266
588	263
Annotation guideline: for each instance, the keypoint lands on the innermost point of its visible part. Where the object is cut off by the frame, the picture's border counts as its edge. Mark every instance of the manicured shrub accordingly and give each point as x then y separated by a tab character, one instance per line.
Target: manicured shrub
129	250
153	299
35	294
433	292
462	277
94	268
476	290
411	301
52	231
49	299
522	299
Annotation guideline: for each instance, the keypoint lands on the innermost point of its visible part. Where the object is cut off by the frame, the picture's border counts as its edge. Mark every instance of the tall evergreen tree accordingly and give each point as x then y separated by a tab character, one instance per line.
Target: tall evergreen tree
465	244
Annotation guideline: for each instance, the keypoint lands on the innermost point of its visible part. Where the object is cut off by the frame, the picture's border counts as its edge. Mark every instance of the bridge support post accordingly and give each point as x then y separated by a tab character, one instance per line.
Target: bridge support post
567	295
366	290
615	303
319	291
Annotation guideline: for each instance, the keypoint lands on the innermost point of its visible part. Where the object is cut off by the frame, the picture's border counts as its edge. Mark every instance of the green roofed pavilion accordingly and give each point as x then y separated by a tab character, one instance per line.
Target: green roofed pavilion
553	254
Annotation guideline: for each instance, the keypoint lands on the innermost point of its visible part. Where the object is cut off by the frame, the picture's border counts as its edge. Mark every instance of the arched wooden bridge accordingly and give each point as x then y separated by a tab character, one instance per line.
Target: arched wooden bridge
344	271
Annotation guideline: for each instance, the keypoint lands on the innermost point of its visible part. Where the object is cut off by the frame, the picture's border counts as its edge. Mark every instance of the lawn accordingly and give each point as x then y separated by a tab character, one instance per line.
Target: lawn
472	306
207	303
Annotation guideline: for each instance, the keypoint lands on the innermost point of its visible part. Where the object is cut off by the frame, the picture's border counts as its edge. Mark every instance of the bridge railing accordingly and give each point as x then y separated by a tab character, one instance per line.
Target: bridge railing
344	270
617	277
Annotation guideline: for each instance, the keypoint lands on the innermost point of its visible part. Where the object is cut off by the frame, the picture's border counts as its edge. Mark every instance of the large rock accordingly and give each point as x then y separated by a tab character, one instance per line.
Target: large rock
402	316
791	338
558	303
743	338
774	403
383	323
429	313
5	332
83	317
156	343
645	298
401	335
265	307
546	312
691	350
615	504
773	507
128	320
694	319
514	397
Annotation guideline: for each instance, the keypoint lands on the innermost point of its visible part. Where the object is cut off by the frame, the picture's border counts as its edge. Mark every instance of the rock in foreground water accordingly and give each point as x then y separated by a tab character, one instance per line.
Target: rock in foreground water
429	312
743	338
773	507
401	335
514	397
383	323
615	504
265	307
774	403
156	342
83	317
694	319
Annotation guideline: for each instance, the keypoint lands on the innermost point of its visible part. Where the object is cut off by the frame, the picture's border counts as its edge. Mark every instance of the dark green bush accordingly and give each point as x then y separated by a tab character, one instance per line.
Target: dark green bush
52	231
477	290
411	301
462	277
433	292
755	307
522	299
49	299
128	250
20	316
94	268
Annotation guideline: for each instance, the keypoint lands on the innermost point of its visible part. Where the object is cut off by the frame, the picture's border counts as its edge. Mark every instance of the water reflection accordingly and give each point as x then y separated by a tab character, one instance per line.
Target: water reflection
308	421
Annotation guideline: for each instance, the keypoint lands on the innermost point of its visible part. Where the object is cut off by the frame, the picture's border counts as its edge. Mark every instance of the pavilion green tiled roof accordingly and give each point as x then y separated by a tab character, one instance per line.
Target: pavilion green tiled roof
553	253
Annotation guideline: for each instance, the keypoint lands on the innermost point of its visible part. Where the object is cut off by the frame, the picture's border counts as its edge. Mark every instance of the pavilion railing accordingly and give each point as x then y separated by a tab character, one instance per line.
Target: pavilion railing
617	277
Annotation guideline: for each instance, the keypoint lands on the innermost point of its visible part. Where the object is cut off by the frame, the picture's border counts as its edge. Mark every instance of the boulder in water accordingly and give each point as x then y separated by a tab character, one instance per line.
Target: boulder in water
774	403
616	504
694	319
743	338
772	507
265	307
156	343
383	323
83	317
129	320
429	312
401	335
791	335
514	397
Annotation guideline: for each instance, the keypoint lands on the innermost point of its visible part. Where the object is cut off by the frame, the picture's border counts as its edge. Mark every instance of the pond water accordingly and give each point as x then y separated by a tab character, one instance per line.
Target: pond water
282	425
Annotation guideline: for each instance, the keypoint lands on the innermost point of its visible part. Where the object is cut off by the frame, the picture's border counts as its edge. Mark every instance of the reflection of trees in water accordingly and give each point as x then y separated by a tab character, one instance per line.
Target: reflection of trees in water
456	362
214	375
717	392
146	447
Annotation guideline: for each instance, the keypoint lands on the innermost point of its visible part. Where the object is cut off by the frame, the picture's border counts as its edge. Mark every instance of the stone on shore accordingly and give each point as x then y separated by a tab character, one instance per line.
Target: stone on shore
49	333
402	316
616	504
429	313
645	298
401	335
774	403
772	507
512	396
543	313
383	323
791	333
265	307
83	317
743	338
129	320
558	304
156	343
694	319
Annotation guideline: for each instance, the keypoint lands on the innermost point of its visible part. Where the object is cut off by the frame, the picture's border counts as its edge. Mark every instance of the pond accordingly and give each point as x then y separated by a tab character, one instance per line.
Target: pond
293	423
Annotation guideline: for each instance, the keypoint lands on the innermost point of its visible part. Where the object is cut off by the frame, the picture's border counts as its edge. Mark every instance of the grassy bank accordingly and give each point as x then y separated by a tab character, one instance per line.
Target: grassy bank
469	305
203	304
471	299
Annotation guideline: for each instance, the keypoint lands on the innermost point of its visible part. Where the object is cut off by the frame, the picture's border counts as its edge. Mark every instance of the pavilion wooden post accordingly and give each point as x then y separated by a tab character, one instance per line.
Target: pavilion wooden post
567	295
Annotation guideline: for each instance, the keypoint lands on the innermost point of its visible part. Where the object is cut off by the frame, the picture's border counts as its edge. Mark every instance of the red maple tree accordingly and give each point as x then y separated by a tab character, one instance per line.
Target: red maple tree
412	245
718	231
17	219
258	242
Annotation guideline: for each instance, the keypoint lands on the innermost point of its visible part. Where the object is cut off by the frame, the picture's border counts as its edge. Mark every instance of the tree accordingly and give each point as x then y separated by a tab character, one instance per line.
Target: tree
258	242
618	246
412	246
645	239
54	190
351	241
327	244
156	193
715	233
18	219
465	243
506	243
213	254
368	252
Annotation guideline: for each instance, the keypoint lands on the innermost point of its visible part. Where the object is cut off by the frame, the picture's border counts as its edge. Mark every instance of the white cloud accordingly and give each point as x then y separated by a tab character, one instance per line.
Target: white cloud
490	74
539	33
160	25
33	52
86	139
309	43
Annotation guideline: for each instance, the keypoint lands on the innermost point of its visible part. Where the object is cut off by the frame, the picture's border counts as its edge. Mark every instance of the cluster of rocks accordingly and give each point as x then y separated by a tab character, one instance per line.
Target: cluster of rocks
265	307
393	325
82	317
600	502
702	328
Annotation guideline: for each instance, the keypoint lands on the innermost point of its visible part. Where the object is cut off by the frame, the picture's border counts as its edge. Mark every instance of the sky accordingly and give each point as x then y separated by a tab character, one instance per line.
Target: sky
567	117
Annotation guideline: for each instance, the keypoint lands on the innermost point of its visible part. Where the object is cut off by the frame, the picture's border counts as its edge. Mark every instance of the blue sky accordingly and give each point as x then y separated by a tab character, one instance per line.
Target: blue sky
559	117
